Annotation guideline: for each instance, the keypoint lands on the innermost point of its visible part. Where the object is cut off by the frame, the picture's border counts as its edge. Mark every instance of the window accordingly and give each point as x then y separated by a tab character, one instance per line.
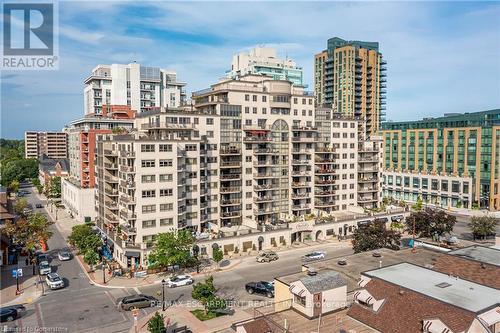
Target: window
444	185
210	121
148	163
148	209
166	221
299	300
165	192
148	193
148	178
148	224
247	109
264	98
247	97
166	163
165	148
455	187
254	98
166	207
254	110
166	178
264	110
147	148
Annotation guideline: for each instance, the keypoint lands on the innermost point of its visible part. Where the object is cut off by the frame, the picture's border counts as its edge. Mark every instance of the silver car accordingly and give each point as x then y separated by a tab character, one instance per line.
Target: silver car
54	281
44	268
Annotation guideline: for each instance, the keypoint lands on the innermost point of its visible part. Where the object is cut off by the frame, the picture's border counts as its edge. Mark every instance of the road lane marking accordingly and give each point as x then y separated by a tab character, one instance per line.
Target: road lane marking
39	316
137	290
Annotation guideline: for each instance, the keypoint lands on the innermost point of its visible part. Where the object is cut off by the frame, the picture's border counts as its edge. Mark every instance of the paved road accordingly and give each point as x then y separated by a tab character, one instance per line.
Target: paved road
83	307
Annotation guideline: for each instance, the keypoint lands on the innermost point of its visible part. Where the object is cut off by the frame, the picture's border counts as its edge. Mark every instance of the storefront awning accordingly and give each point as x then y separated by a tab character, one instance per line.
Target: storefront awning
133	254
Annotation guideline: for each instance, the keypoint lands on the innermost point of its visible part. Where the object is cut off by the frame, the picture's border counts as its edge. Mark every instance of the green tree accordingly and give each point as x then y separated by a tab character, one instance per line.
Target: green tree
18	169
483	226
14	186
54	188
374	236
217	255
430	222
417	206
20	205
205	293
30	231
84	238
156	324
91	257
172	248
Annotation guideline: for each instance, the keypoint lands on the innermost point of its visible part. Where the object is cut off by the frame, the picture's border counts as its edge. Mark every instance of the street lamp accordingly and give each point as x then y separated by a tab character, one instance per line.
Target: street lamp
163	283
104	270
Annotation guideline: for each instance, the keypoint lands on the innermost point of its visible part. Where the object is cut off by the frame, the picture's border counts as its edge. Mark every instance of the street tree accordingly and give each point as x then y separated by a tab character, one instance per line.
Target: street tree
20	205
217	255
374	236
84	238
430	222
206	294
54	187
483	226
30	231
91	257
172	248
14	186
417	206
156	324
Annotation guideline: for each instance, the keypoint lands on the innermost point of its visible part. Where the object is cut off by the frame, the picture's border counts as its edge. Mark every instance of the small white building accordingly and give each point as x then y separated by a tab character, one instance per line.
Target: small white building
312	293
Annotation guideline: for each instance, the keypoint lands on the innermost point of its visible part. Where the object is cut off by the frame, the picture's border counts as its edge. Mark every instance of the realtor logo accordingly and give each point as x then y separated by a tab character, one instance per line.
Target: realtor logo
29	36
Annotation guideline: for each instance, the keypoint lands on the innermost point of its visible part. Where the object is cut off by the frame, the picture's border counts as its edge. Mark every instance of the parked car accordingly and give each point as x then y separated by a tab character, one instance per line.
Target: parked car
39	205
44	268
179	280
42	257
136	301
267	256
261	287
64	255
10	313
315	255
54	281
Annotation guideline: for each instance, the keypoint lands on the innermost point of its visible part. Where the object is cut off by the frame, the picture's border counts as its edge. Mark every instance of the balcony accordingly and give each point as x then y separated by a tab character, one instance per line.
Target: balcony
234	202
257	139
231	214
324	193
263	175
230	164
164	125
112	166
111	179
128	230
266	187
298	173
230	177
266	198
109	152
324	203
325	172
129	184
300	162
301	151
303	139
111	204
265	163
300	185
230	151
367	189
265	211
125	153
324	161
300	207
325	150
127	214
368	170
127	169
230	189
265	151
367	199
300	195
324	182
127	199
304	128
368	180
111	191
111	218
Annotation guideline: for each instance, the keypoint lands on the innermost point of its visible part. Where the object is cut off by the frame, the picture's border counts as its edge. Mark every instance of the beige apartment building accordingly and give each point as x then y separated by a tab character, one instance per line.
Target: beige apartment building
252	153
52	144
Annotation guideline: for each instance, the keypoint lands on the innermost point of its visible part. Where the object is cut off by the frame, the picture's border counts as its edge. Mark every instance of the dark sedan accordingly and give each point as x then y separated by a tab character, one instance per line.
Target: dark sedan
10	313
262	287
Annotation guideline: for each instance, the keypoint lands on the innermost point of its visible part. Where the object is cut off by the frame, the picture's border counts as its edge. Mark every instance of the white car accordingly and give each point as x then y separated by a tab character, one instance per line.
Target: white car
179	280
54	281
315	255
44	268
64	255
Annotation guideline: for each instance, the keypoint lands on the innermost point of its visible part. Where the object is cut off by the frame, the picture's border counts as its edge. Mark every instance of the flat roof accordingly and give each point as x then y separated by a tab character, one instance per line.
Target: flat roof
458	292
488	255
365	261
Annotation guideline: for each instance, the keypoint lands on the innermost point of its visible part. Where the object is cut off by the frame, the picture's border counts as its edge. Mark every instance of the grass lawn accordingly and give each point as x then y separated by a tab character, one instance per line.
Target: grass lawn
200	314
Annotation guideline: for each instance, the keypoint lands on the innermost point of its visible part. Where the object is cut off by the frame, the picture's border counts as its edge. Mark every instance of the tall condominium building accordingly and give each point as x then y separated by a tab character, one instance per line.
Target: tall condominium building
264	61
251	153
138	87
448	161
350	76
77	190
52	144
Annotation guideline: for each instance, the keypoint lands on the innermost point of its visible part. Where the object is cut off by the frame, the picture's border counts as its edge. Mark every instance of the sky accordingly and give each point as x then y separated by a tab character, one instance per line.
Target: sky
441	56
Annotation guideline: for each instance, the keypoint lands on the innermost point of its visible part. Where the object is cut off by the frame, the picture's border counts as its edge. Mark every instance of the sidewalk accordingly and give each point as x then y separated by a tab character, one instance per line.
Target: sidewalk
178	316
27	285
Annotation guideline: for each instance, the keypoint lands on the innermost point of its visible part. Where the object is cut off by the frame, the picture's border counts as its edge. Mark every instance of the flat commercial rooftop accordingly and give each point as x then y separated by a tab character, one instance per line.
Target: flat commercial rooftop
365	261
484	254
461	293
